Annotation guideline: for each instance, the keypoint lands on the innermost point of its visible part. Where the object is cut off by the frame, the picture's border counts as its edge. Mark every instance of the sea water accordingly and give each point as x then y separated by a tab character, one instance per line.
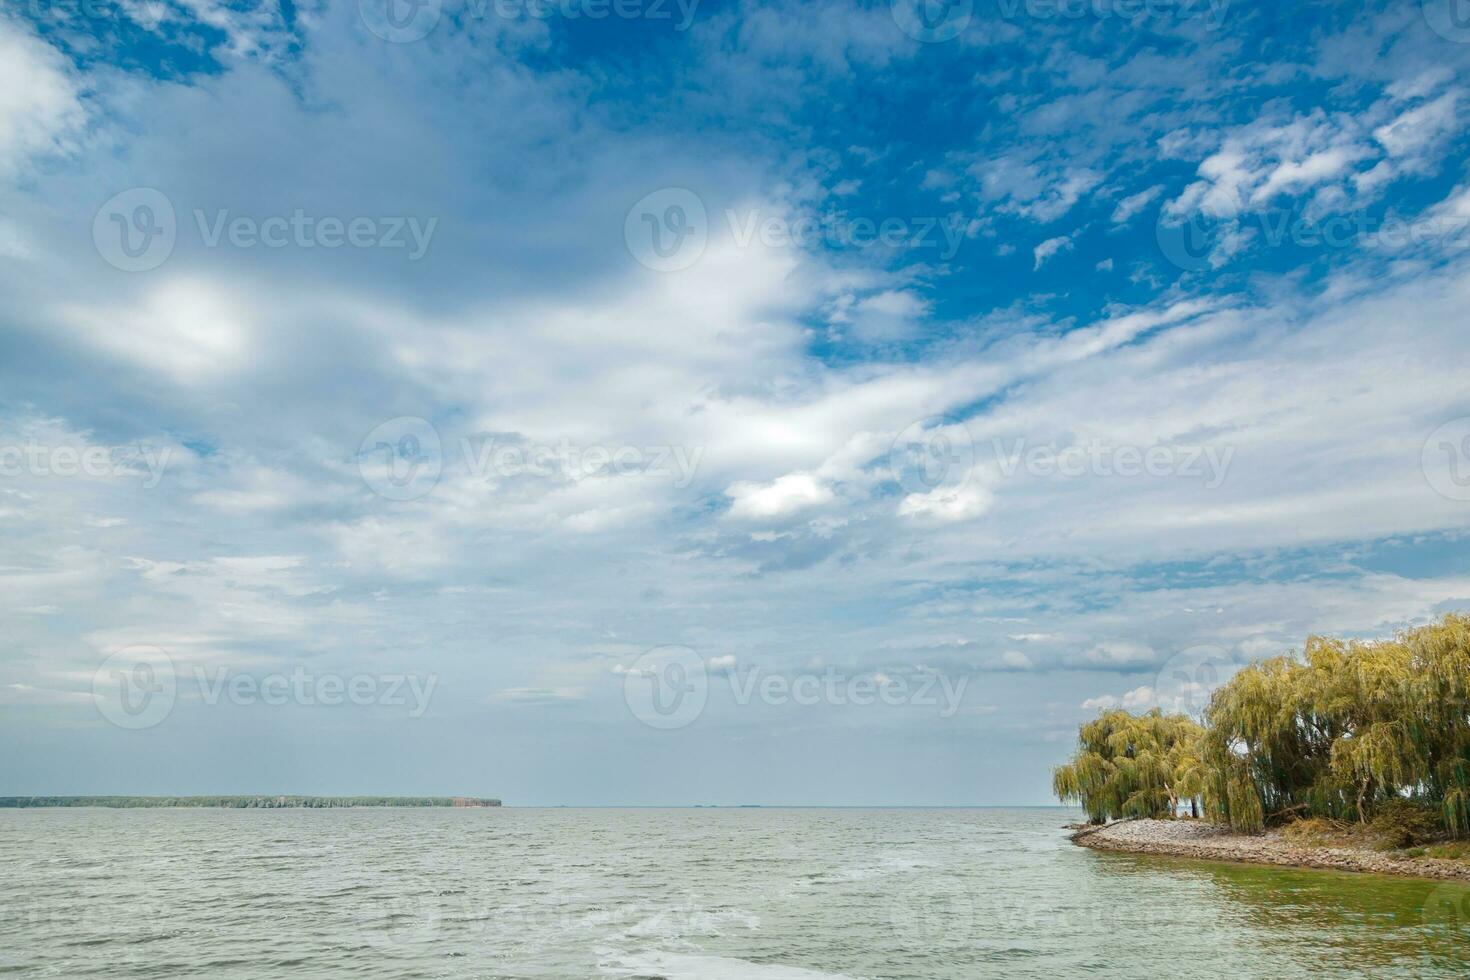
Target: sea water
767	894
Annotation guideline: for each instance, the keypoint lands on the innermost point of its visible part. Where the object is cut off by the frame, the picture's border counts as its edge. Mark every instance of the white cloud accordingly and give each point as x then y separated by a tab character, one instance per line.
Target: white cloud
958	503
40	106
1134	203
188	329
781	497
1015	659
1049	248
1039	191
1420	128
1118	653
1138	699
532	324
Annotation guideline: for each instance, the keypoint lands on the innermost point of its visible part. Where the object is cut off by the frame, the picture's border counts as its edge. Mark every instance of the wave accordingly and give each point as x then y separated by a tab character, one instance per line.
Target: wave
685	966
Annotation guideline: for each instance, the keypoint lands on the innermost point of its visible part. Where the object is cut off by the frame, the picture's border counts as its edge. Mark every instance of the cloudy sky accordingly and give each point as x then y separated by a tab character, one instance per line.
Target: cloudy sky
680	402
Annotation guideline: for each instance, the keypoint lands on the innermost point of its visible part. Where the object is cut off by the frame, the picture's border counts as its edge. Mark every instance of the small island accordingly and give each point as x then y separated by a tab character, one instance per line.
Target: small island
1352	755
243	802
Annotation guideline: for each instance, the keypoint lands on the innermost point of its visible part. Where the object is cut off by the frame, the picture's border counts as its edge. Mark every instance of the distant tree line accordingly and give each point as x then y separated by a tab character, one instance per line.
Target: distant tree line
244	802
1343	731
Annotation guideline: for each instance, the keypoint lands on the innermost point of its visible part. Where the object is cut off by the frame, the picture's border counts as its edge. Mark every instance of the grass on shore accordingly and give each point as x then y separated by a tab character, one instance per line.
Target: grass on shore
1406	830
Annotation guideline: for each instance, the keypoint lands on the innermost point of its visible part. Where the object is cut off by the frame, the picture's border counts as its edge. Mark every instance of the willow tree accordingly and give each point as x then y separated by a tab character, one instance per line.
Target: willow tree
1130	765
1344	728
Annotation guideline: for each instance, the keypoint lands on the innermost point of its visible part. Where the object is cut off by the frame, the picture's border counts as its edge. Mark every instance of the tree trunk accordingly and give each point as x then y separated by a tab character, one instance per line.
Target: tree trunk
1194	807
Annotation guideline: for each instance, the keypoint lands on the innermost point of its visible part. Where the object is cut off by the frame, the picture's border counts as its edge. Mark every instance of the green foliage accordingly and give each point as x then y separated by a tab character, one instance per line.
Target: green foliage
1374	733
1448	851
1346	730
1132	766
1403	823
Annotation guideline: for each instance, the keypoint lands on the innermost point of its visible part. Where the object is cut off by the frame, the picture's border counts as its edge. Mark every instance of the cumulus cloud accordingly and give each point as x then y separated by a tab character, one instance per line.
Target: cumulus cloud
781	497
948	503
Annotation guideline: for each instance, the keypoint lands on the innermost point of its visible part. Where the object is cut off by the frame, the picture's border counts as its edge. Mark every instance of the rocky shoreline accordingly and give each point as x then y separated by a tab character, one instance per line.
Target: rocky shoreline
1211	842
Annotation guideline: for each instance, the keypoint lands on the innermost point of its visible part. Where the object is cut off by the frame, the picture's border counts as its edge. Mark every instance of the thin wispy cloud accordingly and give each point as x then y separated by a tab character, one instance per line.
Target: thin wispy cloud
513	350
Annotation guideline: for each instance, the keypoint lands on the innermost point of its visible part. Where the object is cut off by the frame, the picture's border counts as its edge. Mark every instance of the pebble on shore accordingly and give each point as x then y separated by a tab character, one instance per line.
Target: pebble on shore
1213	842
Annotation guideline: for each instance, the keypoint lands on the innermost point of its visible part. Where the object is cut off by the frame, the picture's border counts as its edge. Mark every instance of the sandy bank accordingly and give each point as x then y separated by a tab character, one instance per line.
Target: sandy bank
1196	839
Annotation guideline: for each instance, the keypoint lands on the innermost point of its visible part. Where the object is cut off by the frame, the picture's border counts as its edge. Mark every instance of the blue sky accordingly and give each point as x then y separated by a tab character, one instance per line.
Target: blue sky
616	373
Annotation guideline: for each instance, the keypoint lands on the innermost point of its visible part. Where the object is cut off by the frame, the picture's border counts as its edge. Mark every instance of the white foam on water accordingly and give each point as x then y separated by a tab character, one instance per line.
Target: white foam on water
685	966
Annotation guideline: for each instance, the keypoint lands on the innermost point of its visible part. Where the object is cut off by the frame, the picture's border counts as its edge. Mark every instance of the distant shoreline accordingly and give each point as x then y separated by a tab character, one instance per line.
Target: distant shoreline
1213	842
263	802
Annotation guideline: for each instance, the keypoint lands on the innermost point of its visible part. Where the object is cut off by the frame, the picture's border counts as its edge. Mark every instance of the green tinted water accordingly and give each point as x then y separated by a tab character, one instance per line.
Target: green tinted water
765	894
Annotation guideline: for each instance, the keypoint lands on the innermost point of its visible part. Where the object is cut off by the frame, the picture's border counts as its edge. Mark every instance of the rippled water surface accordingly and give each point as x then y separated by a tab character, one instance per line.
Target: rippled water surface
743	893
